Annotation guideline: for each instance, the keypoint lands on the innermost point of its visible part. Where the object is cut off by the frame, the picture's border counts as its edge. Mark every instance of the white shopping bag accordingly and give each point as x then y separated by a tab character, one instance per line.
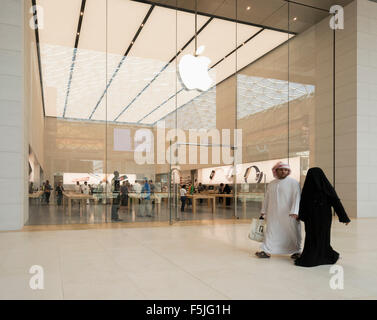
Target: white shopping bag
257	230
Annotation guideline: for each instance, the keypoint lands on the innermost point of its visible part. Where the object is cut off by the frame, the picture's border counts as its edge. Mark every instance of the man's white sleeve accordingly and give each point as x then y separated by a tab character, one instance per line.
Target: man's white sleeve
265	203
296	195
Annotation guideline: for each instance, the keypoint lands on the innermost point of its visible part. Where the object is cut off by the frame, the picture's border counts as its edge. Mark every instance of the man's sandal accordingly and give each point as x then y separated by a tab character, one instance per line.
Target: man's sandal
262	254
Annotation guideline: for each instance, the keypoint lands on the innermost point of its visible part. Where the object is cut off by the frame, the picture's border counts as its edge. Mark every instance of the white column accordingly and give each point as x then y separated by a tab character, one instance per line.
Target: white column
366	108
12	128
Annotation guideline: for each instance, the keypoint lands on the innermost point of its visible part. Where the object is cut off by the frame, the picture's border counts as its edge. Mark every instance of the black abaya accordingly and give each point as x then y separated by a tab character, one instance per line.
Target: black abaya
318	196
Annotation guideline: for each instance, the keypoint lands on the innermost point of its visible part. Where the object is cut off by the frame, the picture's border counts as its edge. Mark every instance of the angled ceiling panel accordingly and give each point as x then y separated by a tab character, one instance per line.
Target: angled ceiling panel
260	45
59	21
155	47
165	84
57	38
93	67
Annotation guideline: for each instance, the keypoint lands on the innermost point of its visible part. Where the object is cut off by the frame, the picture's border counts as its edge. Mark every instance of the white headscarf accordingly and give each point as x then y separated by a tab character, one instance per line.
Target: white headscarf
279	165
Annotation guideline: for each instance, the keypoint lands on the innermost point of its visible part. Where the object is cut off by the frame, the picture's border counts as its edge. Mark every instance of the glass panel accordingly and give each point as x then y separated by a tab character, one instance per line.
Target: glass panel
263	107
311	89
141	77
126	101
73	64
205	107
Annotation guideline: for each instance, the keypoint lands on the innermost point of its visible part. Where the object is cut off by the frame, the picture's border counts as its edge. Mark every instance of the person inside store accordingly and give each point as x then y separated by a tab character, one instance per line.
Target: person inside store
280	207
115	186
31	187
47	192
153	189
183	197
59	193
221	191
124	194
91	189
102	190
191	191
78	188
200	189
317	198
145	197
196	184
137	189
227	190
86	190
43	187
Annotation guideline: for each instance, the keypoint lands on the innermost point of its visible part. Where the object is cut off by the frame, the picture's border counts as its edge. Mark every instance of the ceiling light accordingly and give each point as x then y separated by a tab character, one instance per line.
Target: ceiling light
295	18
248	8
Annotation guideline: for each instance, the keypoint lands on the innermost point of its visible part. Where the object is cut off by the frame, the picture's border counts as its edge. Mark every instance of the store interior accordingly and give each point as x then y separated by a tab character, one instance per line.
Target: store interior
109	107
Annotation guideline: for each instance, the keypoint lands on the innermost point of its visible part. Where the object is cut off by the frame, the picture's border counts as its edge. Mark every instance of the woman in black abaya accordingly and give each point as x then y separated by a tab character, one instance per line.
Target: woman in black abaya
317	198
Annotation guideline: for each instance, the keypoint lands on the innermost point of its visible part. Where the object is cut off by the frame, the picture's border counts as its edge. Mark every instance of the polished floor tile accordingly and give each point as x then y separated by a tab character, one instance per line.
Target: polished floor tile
214	261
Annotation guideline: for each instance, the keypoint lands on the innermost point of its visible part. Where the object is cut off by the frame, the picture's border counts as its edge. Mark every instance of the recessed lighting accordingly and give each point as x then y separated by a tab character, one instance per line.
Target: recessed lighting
248	8
295	18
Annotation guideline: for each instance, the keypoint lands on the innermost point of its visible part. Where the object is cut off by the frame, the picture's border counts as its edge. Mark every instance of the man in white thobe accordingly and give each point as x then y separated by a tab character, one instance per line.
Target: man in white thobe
85	190
280	207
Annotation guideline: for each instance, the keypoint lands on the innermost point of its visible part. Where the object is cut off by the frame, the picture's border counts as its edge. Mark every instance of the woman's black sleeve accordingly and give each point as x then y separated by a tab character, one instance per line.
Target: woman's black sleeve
339	209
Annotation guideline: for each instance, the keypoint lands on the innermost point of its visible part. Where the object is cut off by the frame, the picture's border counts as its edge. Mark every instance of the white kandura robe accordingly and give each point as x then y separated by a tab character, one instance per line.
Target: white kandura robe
283	233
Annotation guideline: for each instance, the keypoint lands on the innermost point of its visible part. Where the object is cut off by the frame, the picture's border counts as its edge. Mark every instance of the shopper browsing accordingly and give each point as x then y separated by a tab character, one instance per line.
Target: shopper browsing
47	190
145	197
59	193
183	197
78	187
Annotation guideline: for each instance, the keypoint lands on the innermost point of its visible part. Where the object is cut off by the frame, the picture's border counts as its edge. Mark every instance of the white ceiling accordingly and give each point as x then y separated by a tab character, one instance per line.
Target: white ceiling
138	92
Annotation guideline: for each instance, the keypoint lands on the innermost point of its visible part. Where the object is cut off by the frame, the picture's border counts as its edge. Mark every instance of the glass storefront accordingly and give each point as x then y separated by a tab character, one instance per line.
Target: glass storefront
130	117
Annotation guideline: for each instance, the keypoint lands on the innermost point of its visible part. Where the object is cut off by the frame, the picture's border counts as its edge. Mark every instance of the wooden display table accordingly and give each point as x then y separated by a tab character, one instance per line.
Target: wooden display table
157	196
36	195
224	196
69	196
195	197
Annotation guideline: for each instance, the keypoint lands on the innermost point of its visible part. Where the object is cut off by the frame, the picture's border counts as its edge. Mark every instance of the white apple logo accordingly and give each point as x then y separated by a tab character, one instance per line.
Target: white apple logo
193	71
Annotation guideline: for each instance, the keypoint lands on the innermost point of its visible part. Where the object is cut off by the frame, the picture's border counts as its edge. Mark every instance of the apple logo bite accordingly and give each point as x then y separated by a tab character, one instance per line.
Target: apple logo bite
193	71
